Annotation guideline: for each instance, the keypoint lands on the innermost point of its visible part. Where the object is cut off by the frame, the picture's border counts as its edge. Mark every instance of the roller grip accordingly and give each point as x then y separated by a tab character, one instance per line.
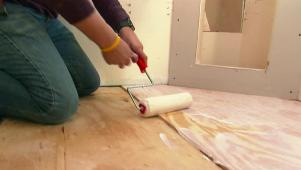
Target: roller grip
141	64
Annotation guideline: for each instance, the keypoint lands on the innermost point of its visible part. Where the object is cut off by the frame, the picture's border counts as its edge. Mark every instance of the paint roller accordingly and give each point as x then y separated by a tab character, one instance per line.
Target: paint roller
153	106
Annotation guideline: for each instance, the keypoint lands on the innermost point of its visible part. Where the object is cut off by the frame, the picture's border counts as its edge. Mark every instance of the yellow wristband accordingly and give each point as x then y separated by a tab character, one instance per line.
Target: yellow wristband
113	46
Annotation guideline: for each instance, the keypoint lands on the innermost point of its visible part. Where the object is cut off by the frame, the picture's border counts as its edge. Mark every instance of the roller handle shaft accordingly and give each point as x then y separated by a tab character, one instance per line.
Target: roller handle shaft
141	64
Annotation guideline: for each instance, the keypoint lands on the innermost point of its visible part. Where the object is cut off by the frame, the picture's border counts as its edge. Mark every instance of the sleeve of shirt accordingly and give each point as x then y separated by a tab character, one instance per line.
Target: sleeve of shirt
73	10
112	12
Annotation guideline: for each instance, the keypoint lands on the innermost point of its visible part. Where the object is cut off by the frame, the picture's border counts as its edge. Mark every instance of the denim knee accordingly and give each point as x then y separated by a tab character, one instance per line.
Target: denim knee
62	110
89	85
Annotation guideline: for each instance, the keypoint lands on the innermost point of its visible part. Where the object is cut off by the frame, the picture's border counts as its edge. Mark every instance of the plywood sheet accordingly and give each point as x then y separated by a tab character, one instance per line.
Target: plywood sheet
25	146
105	134
238	131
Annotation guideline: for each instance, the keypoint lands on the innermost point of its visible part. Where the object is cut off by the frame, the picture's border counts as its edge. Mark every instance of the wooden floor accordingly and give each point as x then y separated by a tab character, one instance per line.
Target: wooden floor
238	132
104	134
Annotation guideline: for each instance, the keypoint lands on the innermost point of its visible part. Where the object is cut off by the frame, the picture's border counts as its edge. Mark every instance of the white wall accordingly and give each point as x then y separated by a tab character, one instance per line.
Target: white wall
220	48
152	19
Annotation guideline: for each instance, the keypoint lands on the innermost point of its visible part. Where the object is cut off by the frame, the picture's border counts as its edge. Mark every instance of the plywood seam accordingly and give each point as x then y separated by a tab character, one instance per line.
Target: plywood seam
64	147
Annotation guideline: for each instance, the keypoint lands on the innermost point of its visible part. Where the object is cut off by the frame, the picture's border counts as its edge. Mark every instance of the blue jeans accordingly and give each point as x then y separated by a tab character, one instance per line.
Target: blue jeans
43	70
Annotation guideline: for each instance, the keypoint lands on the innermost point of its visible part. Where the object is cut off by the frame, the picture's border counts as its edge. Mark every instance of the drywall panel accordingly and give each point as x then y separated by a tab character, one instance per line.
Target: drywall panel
224	16
257	26
281	78
220	48
152	19
255	39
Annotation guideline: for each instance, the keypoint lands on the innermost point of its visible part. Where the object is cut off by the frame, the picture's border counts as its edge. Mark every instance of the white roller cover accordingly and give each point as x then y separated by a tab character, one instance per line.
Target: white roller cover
165	104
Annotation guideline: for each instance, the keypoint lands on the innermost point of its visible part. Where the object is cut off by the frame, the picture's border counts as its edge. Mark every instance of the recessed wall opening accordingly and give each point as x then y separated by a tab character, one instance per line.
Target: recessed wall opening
235	33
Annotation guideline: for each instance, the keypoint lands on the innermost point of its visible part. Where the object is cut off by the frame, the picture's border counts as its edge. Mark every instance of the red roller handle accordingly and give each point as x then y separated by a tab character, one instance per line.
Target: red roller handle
141	64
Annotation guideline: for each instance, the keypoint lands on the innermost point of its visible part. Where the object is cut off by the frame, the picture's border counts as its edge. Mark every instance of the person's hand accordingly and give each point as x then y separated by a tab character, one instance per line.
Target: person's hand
122	55
95	27
129	36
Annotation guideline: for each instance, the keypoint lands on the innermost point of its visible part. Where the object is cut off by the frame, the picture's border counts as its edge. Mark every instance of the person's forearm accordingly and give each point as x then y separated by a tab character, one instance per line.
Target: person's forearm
97	30
112	12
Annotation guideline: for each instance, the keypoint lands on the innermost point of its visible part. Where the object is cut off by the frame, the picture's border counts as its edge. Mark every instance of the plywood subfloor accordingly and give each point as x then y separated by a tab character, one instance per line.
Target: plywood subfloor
104	134
239	132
